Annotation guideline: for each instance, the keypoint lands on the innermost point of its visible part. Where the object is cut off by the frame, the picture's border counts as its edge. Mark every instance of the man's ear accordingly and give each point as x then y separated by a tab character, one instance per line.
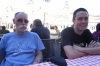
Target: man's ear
13	21
73	20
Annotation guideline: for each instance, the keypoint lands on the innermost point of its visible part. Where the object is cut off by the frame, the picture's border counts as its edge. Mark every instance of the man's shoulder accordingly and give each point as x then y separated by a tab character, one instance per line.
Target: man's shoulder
34	29
37	28
67	29
32	33
87	31
7	30
42	27
7	35
11	33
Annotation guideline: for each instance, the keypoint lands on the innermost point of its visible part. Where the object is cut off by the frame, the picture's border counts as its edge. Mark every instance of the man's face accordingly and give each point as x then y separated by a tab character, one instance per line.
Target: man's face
21	22
81	20
55	28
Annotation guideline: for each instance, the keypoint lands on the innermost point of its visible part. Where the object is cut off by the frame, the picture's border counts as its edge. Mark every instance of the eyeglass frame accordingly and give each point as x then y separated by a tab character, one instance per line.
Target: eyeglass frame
22	20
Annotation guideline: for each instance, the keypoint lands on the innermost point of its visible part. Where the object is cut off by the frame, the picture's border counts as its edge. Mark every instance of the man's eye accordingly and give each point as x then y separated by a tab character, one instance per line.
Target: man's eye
80	19
85	18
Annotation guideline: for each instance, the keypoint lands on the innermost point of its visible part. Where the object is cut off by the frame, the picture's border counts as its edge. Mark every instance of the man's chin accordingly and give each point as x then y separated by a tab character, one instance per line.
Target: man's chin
23	30
82	29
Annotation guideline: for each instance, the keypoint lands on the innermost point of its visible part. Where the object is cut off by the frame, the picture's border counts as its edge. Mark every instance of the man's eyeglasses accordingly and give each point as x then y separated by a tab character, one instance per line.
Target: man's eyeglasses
21	20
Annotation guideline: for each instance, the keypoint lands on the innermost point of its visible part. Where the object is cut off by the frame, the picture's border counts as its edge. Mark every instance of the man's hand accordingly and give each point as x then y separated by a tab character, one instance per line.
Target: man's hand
92	48
78	48
98	44
93	44
38	57
35	62
72	53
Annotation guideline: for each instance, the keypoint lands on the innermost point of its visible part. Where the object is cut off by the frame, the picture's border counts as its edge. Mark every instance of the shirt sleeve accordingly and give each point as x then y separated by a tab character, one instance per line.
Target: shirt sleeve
66	38
2	46
40	45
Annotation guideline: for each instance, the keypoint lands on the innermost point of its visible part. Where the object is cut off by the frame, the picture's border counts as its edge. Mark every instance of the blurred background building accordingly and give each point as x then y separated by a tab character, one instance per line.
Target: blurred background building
47	10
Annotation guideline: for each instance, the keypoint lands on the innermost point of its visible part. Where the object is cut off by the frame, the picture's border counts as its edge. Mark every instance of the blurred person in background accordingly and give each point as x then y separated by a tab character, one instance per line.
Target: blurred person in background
0	27
96	34
57	32
42	31
30	28
3	30
54	32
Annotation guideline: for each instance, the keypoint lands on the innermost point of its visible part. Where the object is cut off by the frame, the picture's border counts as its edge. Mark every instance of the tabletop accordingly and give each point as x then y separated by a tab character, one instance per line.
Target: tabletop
90	60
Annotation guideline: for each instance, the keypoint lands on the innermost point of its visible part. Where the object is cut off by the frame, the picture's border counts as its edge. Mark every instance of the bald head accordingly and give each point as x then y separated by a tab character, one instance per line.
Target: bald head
17	13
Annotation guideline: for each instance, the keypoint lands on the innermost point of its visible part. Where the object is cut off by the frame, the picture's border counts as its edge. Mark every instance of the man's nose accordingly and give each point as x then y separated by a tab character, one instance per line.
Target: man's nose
23	22
83	20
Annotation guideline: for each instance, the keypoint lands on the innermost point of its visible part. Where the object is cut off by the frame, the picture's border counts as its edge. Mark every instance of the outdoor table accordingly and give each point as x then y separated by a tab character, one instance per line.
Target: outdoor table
90	60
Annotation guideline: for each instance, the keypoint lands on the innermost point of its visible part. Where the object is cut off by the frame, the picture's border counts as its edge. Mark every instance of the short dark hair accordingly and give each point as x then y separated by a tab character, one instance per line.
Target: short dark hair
3	27
98	27
56	26
77	10
37	22
51	27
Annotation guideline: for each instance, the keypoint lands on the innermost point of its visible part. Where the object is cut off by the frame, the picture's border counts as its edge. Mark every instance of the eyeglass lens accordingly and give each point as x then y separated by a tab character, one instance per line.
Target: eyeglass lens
21	20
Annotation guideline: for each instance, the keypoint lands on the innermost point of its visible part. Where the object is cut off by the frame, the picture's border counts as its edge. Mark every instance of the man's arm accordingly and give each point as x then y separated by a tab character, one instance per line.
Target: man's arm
72	53
92	48
38	57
